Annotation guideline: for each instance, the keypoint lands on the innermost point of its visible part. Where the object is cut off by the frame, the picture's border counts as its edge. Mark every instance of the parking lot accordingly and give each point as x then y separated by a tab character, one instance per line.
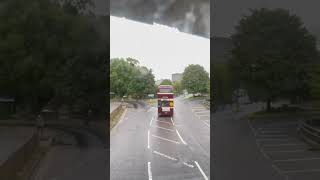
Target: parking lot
279	142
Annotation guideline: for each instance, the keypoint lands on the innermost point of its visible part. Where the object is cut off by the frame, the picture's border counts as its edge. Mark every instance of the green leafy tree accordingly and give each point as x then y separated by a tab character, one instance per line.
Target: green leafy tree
50	55
223	84
271	51
177	87
166	82
195	79
128	78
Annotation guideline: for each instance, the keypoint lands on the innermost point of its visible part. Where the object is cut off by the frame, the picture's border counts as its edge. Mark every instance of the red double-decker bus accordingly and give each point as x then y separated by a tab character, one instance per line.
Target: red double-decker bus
165	100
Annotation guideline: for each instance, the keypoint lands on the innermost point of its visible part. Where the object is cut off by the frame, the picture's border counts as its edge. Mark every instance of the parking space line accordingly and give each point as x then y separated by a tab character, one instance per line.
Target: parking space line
166	139
275	139
207	124
149	171
164	122
203	174
285	151
301	171
163	128
189	165
181	138
298	159
289	144
164	155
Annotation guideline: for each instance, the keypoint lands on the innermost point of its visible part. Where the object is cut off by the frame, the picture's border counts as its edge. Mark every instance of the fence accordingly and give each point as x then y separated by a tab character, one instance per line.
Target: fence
310	133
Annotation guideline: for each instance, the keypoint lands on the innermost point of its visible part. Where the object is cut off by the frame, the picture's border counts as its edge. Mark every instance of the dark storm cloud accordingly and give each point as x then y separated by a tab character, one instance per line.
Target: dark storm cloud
191	16
226	13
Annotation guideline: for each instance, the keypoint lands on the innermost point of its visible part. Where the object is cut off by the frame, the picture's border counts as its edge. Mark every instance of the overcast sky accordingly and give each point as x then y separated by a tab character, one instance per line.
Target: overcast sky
161	48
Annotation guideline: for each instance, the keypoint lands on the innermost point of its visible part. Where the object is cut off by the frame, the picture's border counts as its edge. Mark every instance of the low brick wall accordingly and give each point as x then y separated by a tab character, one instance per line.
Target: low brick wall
16	161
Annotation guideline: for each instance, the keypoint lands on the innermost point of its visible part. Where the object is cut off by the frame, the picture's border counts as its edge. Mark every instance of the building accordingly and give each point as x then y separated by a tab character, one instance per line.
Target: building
176	77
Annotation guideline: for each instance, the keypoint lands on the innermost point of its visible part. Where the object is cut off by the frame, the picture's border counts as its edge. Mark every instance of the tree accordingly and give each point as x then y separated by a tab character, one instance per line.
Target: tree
166	82
128	78
223	84
195	79
177	87
314	84
271	50
49	54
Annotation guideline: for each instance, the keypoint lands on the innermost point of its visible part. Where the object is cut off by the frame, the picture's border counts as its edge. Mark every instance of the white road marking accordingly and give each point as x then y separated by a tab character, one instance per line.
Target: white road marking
189	165
164	122
163	128
164	155
149	171
165	139
181	138
151	121
298	159
148	139
172	121
203	174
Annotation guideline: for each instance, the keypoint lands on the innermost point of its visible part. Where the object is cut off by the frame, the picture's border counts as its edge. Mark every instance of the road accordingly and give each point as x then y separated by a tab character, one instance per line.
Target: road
144	146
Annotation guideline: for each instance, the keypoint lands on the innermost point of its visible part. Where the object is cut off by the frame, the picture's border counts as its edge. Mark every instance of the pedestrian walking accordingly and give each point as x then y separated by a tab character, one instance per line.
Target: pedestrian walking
89	117
40	125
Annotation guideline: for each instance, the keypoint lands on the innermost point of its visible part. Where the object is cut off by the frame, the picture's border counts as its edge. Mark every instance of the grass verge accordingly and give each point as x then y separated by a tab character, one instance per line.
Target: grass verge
116	115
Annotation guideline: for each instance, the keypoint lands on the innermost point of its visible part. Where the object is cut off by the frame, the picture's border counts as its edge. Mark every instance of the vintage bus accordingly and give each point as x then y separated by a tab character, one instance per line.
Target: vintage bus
165	100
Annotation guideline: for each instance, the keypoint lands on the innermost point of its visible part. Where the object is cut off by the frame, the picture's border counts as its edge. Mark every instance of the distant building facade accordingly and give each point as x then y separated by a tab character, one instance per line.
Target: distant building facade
176	77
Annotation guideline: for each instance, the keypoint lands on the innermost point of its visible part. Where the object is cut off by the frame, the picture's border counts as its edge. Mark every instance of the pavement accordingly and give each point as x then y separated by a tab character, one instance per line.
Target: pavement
68	162
263	149
12	139
145	146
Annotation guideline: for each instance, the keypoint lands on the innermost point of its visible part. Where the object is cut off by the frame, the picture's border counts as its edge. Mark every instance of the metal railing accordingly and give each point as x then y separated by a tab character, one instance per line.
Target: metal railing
309	132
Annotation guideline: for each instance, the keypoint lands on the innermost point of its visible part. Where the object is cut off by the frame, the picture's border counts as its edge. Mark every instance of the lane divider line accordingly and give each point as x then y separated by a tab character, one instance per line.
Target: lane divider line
151	121
164	155
148	139
149	171
165	139
172	121
203	174
181	138
163	128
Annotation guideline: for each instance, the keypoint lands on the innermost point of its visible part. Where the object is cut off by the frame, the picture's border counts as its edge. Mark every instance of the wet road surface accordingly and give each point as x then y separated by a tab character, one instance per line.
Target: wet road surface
144	146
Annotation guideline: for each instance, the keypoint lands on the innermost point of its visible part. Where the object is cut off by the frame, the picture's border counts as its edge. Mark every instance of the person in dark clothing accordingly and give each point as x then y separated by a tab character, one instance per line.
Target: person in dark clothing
40	125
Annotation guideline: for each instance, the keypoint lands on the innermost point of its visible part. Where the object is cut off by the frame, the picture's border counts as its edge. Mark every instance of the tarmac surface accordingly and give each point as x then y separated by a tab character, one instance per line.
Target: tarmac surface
12	139
264	149
145	146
